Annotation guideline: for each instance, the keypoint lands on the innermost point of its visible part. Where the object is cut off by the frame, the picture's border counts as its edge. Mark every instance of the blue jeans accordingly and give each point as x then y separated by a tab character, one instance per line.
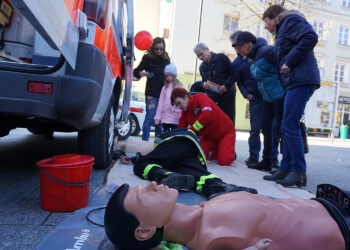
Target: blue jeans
255	111
293	147
271	111
276	132
151	109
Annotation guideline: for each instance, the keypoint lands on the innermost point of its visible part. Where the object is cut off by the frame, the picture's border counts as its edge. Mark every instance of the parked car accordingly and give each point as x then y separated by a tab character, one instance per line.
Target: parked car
135	118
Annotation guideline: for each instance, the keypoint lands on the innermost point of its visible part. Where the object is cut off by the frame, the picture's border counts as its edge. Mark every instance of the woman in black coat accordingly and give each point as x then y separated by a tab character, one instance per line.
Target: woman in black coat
152	66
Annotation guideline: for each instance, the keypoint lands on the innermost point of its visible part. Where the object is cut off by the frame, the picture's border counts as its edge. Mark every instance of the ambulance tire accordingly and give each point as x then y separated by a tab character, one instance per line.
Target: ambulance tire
99	141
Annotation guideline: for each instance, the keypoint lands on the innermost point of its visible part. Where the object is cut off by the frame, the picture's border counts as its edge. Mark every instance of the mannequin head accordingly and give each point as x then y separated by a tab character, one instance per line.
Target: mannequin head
121	226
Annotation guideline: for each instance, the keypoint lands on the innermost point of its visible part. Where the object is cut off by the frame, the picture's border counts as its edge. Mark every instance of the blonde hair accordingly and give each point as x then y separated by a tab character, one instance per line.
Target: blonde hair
176	82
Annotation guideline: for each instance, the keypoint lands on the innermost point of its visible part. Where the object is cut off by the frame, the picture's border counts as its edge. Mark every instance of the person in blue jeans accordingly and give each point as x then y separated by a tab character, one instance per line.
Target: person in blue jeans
295	41
152	66
249	89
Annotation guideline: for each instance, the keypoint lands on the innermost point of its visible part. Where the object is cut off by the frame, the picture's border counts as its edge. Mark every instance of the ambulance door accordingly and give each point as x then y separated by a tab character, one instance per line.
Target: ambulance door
55	20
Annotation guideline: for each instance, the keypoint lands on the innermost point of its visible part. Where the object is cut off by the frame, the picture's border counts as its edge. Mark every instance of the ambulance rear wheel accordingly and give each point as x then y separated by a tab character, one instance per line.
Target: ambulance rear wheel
99	141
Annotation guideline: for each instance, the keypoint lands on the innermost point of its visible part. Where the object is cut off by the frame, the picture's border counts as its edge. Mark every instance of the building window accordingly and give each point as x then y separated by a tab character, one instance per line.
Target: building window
319	28
262	32
339	73
343	35
346	3
230	24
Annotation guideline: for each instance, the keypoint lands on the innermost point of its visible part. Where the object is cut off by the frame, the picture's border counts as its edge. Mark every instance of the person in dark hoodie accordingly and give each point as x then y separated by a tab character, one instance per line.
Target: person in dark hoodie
264	72
249	89
295	41
216	67
152	66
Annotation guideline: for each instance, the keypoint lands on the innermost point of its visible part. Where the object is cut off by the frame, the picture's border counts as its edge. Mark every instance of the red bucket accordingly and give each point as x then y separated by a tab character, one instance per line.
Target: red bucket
65	182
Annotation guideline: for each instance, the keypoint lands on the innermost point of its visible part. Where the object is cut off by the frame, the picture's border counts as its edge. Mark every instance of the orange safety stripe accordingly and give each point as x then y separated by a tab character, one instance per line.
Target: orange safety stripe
104	40
73	6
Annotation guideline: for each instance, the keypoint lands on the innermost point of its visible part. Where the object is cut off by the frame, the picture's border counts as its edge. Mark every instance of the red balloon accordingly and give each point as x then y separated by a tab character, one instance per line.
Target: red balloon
143	40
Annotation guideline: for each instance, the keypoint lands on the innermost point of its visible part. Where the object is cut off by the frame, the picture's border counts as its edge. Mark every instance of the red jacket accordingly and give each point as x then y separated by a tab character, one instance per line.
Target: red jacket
206	118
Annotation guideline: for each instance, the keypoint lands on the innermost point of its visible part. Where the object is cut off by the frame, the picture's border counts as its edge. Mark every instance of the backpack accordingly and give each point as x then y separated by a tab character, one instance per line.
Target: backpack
267	77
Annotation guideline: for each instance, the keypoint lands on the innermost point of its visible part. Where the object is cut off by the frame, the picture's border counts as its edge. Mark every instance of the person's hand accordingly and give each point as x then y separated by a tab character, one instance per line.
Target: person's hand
284	69
125	159
250	96
263	244
143	73
206	86
222	89
156	122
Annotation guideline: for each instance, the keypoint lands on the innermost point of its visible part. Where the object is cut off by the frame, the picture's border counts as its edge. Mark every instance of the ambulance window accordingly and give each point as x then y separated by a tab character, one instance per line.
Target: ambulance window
96	11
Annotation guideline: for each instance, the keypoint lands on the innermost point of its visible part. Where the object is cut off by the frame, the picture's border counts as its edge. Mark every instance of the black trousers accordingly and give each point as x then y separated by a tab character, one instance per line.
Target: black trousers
178	155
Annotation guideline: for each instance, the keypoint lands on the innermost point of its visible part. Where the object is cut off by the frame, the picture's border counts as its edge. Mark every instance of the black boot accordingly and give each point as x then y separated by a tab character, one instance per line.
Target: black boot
251	161
262	165
179	181
278	175
171	179
219	187
294	178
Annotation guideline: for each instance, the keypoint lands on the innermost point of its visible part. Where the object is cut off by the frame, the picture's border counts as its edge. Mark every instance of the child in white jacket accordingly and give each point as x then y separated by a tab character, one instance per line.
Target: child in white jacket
168	115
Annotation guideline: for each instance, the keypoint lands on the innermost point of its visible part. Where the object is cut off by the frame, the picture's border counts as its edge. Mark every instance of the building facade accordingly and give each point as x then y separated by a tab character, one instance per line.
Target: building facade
184	23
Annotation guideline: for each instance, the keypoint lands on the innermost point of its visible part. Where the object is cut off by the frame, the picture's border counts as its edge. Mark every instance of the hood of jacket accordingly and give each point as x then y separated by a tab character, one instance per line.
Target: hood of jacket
283	15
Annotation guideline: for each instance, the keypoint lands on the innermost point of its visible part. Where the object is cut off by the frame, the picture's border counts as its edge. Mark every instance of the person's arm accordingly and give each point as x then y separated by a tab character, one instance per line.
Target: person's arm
142	66
182	121
244	78
206	113
161	101
230	77
305	39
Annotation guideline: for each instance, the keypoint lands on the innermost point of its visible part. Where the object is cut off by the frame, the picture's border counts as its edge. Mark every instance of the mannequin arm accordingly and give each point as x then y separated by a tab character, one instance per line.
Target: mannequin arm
263	244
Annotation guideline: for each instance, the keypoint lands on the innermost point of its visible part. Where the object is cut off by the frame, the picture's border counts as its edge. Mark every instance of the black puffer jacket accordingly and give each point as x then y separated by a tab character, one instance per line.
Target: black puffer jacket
156	66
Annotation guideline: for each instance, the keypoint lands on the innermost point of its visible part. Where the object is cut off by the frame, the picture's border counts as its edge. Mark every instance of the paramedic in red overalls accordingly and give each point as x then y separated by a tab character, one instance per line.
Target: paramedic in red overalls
204	117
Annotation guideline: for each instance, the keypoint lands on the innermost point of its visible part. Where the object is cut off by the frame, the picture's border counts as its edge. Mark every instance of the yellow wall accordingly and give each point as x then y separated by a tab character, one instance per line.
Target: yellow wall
241	105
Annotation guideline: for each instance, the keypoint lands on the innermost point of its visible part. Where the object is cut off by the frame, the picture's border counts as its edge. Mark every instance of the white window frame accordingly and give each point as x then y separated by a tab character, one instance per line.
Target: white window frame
321	32
340	72
343	35
345	3
233	22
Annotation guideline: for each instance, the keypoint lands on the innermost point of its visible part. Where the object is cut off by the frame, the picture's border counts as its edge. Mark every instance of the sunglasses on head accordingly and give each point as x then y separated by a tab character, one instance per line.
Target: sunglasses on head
160	49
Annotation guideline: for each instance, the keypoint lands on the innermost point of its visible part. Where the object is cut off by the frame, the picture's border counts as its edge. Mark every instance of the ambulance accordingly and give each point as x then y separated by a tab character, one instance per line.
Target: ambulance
63	67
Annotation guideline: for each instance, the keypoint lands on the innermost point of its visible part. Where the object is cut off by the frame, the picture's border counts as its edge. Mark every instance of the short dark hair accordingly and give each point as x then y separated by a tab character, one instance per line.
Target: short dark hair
120	225
273	11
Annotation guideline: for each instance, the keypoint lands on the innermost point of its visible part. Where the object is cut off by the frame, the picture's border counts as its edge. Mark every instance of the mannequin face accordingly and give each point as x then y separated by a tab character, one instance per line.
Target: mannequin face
270	24
204	55
151	205
181	103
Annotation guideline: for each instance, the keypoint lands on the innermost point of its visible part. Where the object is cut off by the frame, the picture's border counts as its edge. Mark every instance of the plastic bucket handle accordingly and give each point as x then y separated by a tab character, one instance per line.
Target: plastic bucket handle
69	183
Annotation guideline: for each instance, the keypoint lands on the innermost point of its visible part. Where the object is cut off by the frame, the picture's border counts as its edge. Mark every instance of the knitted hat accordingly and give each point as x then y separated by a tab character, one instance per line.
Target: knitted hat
170	68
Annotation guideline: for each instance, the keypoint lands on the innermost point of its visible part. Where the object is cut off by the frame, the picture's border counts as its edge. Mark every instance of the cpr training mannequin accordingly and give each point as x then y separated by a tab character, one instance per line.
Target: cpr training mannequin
140	217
